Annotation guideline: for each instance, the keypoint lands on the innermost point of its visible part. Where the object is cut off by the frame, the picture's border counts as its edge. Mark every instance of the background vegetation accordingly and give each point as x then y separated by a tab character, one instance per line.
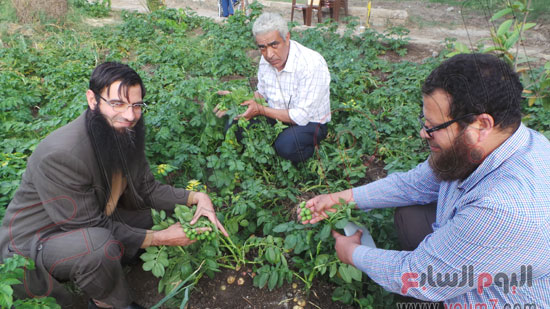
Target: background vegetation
184	59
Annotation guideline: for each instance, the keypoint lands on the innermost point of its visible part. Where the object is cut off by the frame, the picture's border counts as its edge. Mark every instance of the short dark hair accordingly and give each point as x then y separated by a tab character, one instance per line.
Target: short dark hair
479	83
105	74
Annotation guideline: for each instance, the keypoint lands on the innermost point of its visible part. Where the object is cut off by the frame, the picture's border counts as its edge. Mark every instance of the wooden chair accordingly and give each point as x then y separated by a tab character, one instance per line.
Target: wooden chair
307	10
334	8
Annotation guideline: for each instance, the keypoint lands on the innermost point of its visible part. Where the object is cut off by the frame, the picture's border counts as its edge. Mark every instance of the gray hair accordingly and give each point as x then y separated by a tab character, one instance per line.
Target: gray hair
268	22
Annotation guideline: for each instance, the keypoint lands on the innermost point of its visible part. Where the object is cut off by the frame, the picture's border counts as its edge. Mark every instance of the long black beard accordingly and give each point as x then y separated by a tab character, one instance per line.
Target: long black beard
457	162
115	150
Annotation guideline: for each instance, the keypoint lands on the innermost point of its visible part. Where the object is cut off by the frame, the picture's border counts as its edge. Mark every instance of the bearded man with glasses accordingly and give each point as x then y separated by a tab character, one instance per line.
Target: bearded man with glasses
85	199
480	233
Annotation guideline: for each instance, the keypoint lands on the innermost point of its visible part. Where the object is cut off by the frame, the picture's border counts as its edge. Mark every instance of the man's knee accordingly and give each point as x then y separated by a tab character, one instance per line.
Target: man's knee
413	224
104	251
290	151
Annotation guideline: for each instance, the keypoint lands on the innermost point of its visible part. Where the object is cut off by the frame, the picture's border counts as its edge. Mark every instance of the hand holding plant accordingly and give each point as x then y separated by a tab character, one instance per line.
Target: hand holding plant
322	205
205	208
229	101
253	109
345	245
174	235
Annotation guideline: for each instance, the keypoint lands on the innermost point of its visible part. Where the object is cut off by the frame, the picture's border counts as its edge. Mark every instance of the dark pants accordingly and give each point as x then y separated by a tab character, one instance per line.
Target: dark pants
413	224
295	143
91	258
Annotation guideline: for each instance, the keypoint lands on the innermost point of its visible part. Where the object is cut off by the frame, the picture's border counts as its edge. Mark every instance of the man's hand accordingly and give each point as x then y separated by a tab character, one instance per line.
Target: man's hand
254	109
346	245
219	112
205	208
173	236
320	204
317	206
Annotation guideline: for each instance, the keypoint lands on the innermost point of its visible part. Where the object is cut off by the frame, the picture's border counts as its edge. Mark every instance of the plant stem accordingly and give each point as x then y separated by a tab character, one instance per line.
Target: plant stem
520	32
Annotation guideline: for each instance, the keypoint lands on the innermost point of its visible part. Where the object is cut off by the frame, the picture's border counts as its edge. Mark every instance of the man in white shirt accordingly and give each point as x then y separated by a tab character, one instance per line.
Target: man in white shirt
295	82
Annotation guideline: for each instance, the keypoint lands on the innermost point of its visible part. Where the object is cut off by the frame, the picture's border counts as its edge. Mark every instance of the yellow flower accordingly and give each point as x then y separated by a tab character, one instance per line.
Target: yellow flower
161	169
193	184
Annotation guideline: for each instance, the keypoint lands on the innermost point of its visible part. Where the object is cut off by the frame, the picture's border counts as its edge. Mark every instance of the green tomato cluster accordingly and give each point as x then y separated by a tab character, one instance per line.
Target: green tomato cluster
185	214
306	212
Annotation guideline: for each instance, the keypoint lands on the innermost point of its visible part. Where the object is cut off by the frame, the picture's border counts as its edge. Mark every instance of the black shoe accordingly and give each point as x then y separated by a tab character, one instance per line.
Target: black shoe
236	3
92	305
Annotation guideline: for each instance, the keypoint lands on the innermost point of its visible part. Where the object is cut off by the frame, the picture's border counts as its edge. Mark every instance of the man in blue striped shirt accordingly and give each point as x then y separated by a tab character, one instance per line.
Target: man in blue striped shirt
489	175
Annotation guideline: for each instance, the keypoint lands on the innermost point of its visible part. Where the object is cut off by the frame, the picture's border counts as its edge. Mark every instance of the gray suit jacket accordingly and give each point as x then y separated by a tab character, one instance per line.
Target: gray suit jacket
63	189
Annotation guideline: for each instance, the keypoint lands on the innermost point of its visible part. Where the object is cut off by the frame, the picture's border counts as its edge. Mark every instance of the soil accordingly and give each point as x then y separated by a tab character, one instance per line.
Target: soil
429	24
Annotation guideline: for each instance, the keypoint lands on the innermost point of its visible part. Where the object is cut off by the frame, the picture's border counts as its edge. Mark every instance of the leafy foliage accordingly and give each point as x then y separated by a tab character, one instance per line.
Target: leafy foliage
184	60
12	273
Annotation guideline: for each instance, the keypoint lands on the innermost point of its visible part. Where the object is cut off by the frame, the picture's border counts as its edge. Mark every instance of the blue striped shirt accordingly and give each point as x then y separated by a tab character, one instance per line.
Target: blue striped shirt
491	241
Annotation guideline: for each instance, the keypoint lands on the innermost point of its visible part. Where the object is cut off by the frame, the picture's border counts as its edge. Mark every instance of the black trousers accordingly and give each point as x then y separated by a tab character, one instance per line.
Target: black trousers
92	259
296	143
413	224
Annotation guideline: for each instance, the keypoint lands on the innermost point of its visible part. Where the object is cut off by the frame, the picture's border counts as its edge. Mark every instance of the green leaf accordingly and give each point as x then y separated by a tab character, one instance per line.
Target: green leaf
342	294
512	39
11	281
290	241
163	261
158	270
6	298
284	261
462	48
343	270
333	270
321	259
501	13
280	228
528	26
147	256
273	278
187	217
355	273
211	264
504	27
518	5
209	251
232	227
341	223
325	232
271	255
262	279
147	266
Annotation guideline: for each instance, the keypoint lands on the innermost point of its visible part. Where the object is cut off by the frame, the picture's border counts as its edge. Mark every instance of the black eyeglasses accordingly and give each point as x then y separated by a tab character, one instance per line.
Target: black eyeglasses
429	131
120	107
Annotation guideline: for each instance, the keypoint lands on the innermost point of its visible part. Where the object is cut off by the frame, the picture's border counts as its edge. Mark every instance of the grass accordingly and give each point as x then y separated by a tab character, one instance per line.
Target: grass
7	12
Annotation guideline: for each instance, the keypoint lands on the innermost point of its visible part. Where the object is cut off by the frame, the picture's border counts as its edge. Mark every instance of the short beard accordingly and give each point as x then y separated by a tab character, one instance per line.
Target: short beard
115	150
456	163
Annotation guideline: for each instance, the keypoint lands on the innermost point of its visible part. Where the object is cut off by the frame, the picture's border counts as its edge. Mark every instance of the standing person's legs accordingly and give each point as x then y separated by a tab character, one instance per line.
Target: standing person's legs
227	7
413	224
297	143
